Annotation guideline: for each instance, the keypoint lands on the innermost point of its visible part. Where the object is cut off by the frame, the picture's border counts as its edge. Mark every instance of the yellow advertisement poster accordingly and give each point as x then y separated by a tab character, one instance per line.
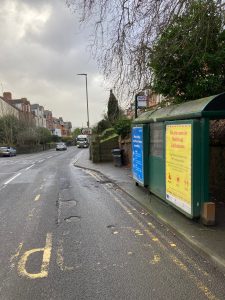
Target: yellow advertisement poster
178	165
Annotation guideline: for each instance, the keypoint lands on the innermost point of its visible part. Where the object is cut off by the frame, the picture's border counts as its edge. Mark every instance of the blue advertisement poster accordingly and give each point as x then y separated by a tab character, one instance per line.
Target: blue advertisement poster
137	154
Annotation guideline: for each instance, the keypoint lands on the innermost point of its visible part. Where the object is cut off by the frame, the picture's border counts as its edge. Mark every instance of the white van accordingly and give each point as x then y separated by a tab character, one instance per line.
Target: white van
82	141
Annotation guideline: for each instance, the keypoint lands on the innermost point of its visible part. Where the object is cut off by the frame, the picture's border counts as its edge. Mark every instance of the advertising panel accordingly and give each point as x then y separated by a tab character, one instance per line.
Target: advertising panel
178	165
137	154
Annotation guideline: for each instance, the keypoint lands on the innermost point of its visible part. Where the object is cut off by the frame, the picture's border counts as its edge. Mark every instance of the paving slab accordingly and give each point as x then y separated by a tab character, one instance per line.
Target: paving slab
208	240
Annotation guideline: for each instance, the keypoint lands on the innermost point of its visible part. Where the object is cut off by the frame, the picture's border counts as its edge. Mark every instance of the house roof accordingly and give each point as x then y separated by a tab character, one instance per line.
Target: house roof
9	103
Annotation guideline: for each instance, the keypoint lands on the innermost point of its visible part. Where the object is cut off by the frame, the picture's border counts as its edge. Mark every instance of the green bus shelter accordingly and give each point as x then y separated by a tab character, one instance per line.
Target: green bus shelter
170	152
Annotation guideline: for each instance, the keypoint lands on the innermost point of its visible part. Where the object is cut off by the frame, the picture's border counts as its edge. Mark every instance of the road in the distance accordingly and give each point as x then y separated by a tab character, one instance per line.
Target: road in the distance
68	233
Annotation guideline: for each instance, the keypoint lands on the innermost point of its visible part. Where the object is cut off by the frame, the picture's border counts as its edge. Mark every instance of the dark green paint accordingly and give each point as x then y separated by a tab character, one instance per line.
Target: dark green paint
197	113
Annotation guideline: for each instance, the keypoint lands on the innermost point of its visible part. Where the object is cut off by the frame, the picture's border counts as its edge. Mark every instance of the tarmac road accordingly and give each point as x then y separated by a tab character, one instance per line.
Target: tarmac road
69	233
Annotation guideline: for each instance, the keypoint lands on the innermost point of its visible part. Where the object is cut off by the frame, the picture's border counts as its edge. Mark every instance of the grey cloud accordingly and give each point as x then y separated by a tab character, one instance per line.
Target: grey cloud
60	33
42	66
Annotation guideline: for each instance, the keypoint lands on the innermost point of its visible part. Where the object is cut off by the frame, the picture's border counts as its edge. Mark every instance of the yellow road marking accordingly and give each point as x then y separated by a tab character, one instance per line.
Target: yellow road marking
156	259
45	261
155	239
31	214
60	258
200	285
37	197
14	256
182	266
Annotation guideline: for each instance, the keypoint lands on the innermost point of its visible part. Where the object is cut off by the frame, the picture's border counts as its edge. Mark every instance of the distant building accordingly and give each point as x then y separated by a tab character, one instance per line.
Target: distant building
57	132
49	120
57	129
34	114
153	99
38	112
67	129
7	109
23	105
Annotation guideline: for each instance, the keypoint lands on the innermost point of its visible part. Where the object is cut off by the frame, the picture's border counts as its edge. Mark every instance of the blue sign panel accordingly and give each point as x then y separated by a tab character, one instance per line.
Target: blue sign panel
137	154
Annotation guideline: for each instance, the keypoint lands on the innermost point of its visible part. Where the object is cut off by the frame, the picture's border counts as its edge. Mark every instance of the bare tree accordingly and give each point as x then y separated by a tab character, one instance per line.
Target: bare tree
123	33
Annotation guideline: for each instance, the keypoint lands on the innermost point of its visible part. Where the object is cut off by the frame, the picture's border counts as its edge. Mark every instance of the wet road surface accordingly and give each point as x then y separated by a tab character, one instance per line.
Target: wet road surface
69	233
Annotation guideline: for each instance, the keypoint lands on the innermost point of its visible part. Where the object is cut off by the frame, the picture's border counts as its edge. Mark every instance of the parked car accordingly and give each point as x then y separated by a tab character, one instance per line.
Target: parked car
61	146
7	151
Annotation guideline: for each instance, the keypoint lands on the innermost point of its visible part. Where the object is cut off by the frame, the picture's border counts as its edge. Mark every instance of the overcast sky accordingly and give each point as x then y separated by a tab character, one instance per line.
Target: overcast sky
42	48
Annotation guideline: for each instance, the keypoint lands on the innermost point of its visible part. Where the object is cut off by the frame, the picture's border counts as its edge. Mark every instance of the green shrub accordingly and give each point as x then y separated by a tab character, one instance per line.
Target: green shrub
123	127
107	132
102	125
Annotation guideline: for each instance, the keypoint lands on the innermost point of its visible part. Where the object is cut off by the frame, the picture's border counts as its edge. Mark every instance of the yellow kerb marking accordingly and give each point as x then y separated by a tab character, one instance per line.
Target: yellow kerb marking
200	285
37	197
45	261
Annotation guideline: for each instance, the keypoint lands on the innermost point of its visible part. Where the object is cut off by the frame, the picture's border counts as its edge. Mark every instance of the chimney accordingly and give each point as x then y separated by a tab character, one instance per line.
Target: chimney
7	96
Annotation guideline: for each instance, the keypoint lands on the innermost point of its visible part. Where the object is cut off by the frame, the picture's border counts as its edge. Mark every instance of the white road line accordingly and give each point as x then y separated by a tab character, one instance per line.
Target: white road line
41	160
12	178
29	167
49	156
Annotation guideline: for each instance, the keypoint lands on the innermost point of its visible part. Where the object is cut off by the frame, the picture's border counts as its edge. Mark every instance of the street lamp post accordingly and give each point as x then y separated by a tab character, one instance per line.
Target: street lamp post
84	74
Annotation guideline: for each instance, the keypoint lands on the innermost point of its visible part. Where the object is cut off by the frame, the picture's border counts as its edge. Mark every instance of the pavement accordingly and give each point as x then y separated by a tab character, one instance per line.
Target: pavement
208	240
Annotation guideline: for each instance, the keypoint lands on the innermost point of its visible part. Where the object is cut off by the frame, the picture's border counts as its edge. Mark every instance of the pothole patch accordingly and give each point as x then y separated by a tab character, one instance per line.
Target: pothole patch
111	226
72	219
70	201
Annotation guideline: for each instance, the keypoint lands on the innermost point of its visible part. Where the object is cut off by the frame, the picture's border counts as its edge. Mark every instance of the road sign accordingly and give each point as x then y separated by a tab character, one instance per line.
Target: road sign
87	131
141	101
